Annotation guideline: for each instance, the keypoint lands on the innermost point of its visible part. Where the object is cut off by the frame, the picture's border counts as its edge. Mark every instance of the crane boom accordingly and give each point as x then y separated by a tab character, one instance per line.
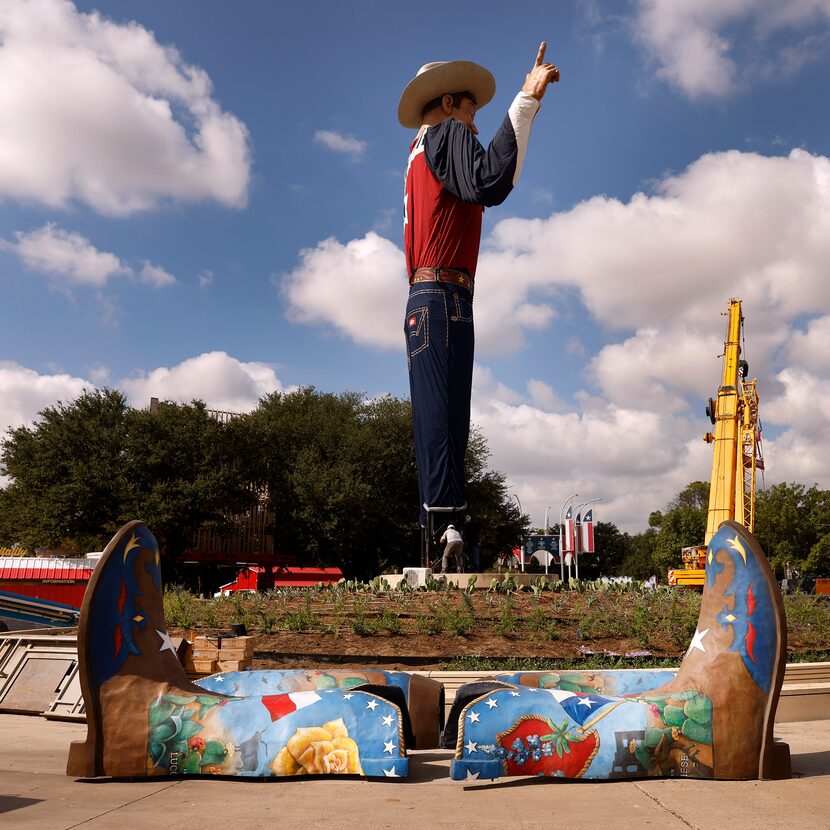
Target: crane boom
737	455
722	490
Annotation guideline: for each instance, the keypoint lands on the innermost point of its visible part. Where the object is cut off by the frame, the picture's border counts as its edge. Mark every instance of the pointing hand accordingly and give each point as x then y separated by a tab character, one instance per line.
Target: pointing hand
542	74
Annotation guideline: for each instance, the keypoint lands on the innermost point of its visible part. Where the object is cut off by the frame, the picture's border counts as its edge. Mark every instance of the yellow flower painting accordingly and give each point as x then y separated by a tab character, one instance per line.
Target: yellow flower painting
319	750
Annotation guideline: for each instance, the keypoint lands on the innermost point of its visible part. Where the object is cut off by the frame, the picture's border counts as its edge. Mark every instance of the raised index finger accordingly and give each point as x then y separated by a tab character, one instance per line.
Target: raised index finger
540	57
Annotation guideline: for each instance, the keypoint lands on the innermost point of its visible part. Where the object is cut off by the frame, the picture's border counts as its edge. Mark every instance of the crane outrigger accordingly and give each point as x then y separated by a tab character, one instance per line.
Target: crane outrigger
738	454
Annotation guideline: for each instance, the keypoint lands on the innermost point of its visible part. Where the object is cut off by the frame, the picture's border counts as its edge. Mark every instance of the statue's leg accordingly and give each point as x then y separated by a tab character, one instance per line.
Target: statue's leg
144	717
714	719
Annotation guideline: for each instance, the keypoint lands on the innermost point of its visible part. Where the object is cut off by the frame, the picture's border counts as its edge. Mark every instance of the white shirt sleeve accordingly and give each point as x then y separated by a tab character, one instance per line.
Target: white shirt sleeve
522	112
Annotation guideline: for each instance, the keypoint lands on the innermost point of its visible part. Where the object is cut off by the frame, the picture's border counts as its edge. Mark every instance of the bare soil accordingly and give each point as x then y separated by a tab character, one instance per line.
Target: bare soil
434	630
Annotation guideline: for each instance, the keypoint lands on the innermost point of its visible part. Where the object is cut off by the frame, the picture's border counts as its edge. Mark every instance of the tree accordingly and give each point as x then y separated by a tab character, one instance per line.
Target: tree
790	520
695	494
68	472
503	526
612	547
339	474
682	524
184	470
342	481
86	467
818	560
639	563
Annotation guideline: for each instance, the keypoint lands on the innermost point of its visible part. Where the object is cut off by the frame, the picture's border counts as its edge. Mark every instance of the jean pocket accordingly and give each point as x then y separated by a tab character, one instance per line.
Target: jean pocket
461	309
417	330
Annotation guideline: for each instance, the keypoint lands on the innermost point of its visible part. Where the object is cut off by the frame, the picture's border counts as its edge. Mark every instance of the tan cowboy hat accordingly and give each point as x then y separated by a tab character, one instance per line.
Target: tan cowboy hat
441	78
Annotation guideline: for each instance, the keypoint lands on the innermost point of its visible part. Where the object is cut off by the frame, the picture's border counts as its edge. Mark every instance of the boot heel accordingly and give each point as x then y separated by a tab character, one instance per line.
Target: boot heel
82	760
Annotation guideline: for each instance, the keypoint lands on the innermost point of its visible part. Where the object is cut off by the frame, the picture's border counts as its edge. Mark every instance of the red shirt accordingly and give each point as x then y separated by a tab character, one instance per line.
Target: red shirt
451	178
439	229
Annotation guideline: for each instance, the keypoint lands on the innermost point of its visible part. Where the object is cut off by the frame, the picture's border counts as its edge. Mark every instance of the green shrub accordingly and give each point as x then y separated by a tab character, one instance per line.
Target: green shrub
430	623
458	621
179	608
506	624
302	620
390	622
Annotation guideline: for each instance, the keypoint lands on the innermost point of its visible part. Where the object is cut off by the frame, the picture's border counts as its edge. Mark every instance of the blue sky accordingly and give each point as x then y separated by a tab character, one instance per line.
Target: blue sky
199	201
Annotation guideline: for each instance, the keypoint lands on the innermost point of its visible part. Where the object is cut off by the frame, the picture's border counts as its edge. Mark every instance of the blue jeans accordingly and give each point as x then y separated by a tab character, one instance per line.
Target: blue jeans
440	346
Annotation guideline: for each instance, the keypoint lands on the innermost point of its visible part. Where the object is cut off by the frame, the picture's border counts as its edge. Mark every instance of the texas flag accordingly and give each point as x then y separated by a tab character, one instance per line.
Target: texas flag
580	707
588	532
281	705
569	531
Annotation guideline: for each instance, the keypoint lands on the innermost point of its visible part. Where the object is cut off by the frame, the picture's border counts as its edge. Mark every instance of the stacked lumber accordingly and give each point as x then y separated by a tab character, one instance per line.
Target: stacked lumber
215	652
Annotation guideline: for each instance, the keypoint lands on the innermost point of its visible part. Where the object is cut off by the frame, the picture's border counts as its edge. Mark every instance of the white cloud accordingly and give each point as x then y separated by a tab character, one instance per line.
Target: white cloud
803	410
358	289
486	387
697	50
348	145
811	348
71	259
543	396
634	460
66	256
102	113
24	393
656	288
205	278
155	275
731	224
220	380
99	374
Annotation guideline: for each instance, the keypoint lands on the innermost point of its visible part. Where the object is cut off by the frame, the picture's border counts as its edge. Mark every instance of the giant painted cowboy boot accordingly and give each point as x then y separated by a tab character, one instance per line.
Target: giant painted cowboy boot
713	719
422	698
145	718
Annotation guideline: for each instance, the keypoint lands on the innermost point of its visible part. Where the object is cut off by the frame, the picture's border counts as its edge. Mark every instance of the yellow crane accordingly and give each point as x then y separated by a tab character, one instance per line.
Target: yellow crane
738	454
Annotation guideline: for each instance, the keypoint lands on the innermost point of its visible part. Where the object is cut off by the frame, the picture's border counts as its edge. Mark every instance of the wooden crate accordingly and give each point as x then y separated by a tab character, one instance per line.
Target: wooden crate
205	654
204	666
235	654
204	644
236	643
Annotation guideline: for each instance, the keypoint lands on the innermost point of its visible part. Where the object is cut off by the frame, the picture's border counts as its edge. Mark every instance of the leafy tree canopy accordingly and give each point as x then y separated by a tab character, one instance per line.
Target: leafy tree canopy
338	471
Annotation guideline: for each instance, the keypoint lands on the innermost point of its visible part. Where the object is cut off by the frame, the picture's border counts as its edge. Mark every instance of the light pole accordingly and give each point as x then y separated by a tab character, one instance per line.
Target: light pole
562	535
579	513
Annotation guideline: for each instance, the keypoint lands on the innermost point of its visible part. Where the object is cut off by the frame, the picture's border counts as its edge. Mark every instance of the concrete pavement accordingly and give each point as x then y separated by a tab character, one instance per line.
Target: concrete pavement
35	794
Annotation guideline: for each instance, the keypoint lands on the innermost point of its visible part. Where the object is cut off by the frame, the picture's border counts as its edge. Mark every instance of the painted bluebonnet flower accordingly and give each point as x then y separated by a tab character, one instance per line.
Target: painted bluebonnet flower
537	755
502	753
520	760
533	740
547	748
518	745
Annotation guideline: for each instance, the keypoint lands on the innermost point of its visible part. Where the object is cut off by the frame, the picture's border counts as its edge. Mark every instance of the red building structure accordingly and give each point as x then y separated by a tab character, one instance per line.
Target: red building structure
50	578
256	578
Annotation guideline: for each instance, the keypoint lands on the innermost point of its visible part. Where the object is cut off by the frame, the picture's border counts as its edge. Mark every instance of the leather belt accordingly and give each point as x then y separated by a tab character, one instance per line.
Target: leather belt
443	275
